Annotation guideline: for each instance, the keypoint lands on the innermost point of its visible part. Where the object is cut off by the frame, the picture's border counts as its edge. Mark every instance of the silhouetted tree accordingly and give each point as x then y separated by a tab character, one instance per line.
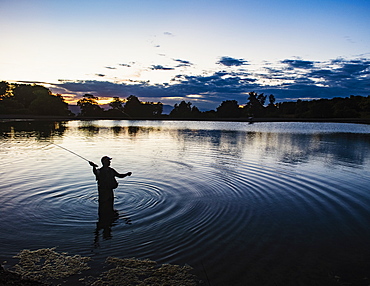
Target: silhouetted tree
117	104
209	114
301	108
346	107
25	94
262	99
182	110
195	112
254	106
116	109
4	86
185	110
272	100
320	109
271	110
48	104
89	106
286	109
151	109
365	107
133	106
31	99
10	106
228	109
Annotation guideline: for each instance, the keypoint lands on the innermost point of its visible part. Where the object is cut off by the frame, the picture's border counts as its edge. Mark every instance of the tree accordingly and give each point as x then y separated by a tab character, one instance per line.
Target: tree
116	109
151	109
254	106
195	112
182	110
25	93
89	106
272	100
30	99
262	99
117	104
4	86
133	106
271	110
228	109
48	104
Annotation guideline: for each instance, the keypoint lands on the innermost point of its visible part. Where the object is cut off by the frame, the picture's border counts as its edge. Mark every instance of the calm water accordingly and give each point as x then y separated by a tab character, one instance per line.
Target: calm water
263	203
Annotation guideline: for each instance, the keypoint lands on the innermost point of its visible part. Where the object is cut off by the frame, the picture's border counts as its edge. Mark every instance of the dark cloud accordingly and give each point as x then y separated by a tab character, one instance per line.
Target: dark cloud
111	68
299	64
229	61
183	63
100	74
160	67
337	78
125	65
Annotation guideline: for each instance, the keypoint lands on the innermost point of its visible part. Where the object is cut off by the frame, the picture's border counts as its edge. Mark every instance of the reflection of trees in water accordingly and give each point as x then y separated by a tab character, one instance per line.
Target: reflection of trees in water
225	147
89	129
133	131
335	148
36	129
291	148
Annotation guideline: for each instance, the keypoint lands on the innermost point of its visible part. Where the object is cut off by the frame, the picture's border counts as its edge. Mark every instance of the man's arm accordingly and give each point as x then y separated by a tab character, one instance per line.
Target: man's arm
95	171
122	175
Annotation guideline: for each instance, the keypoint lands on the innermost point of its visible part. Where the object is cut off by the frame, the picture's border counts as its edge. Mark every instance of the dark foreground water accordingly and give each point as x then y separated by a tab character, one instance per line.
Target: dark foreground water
243	204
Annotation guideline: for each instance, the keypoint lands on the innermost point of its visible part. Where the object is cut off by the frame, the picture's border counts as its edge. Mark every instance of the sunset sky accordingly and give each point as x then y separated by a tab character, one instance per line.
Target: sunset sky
199	51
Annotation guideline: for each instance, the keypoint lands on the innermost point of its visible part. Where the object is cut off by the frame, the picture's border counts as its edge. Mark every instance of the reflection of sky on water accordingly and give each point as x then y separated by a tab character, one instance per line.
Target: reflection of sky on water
287	145
290	148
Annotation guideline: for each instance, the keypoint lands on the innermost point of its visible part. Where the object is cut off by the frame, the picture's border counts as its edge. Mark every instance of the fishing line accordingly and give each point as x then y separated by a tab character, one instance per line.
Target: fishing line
69	151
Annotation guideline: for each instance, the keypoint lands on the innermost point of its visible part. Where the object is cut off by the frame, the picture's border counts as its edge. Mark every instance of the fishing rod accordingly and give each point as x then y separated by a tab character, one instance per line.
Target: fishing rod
69	151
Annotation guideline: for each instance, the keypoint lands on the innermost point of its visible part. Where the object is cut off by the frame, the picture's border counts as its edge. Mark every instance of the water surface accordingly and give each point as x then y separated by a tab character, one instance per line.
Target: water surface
257	204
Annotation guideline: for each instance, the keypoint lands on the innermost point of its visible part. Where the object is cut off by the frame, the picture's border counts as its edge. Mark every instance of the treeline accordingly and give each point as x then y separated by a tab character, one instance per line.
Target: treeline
132	107
263	106
28	99
37	100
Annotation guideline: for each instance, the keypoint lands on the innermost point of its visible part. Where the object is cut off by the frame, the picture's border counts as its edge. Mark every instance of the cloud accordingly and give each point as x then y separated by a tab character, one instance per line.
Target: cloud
183	63
130	64
229	61
302	80
160	67
111	68
100	74
125	65
298	64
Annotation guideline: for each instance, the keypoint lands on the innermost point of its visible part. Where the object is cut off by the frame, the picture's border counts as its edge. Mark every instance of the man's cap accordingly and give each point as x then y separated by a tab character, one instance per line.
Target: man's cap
106	158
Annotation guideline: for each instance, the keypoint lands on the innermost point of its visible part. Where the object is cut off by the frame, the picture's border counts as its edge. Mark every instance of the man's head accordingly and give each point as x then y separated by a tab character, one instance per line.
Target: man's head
106	160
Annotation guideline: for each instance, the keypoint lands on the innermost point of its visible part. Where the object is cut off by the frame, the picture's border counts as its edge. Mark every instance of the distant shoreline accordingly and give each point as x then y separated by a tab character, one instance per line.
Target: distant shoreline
5	117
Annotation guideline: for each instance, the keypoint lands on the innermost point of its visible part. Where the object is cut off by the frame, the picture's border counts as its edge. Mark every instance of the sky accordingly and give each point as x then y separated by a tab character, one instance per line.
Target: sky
200	51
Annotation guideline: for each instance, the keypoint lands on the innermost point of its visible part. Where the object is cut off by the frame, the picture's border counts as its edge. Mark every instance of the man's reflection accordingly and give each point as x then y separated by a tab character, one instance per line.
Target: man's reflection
108	217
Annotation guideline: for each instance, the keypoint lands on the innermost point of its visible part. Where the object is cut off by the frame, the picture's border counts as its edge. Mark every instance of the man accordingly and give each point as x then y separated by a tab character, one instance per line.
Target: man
106	183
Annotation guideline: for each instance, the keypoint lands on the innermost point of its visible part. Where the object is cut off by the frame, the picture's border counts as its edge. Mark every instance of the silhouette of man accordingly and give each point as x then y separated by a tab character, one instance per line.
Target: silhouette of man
106	177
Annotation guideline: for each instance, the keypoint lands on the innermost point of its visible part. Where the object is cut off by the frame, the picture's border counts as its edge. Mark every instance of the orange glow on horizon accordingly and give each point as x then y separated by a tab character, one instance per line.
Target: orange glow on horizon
73	99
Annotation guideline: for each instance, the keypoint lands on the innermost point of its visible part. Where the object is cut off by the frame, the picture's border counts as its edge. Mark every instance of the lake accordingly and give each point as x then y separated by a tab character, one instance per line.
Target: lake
243	204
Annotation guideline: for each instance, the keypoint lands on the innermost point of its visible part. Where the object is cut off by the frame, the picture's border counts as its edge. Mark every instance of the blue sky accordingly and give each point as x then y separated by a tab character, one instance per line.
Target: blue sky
199	51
